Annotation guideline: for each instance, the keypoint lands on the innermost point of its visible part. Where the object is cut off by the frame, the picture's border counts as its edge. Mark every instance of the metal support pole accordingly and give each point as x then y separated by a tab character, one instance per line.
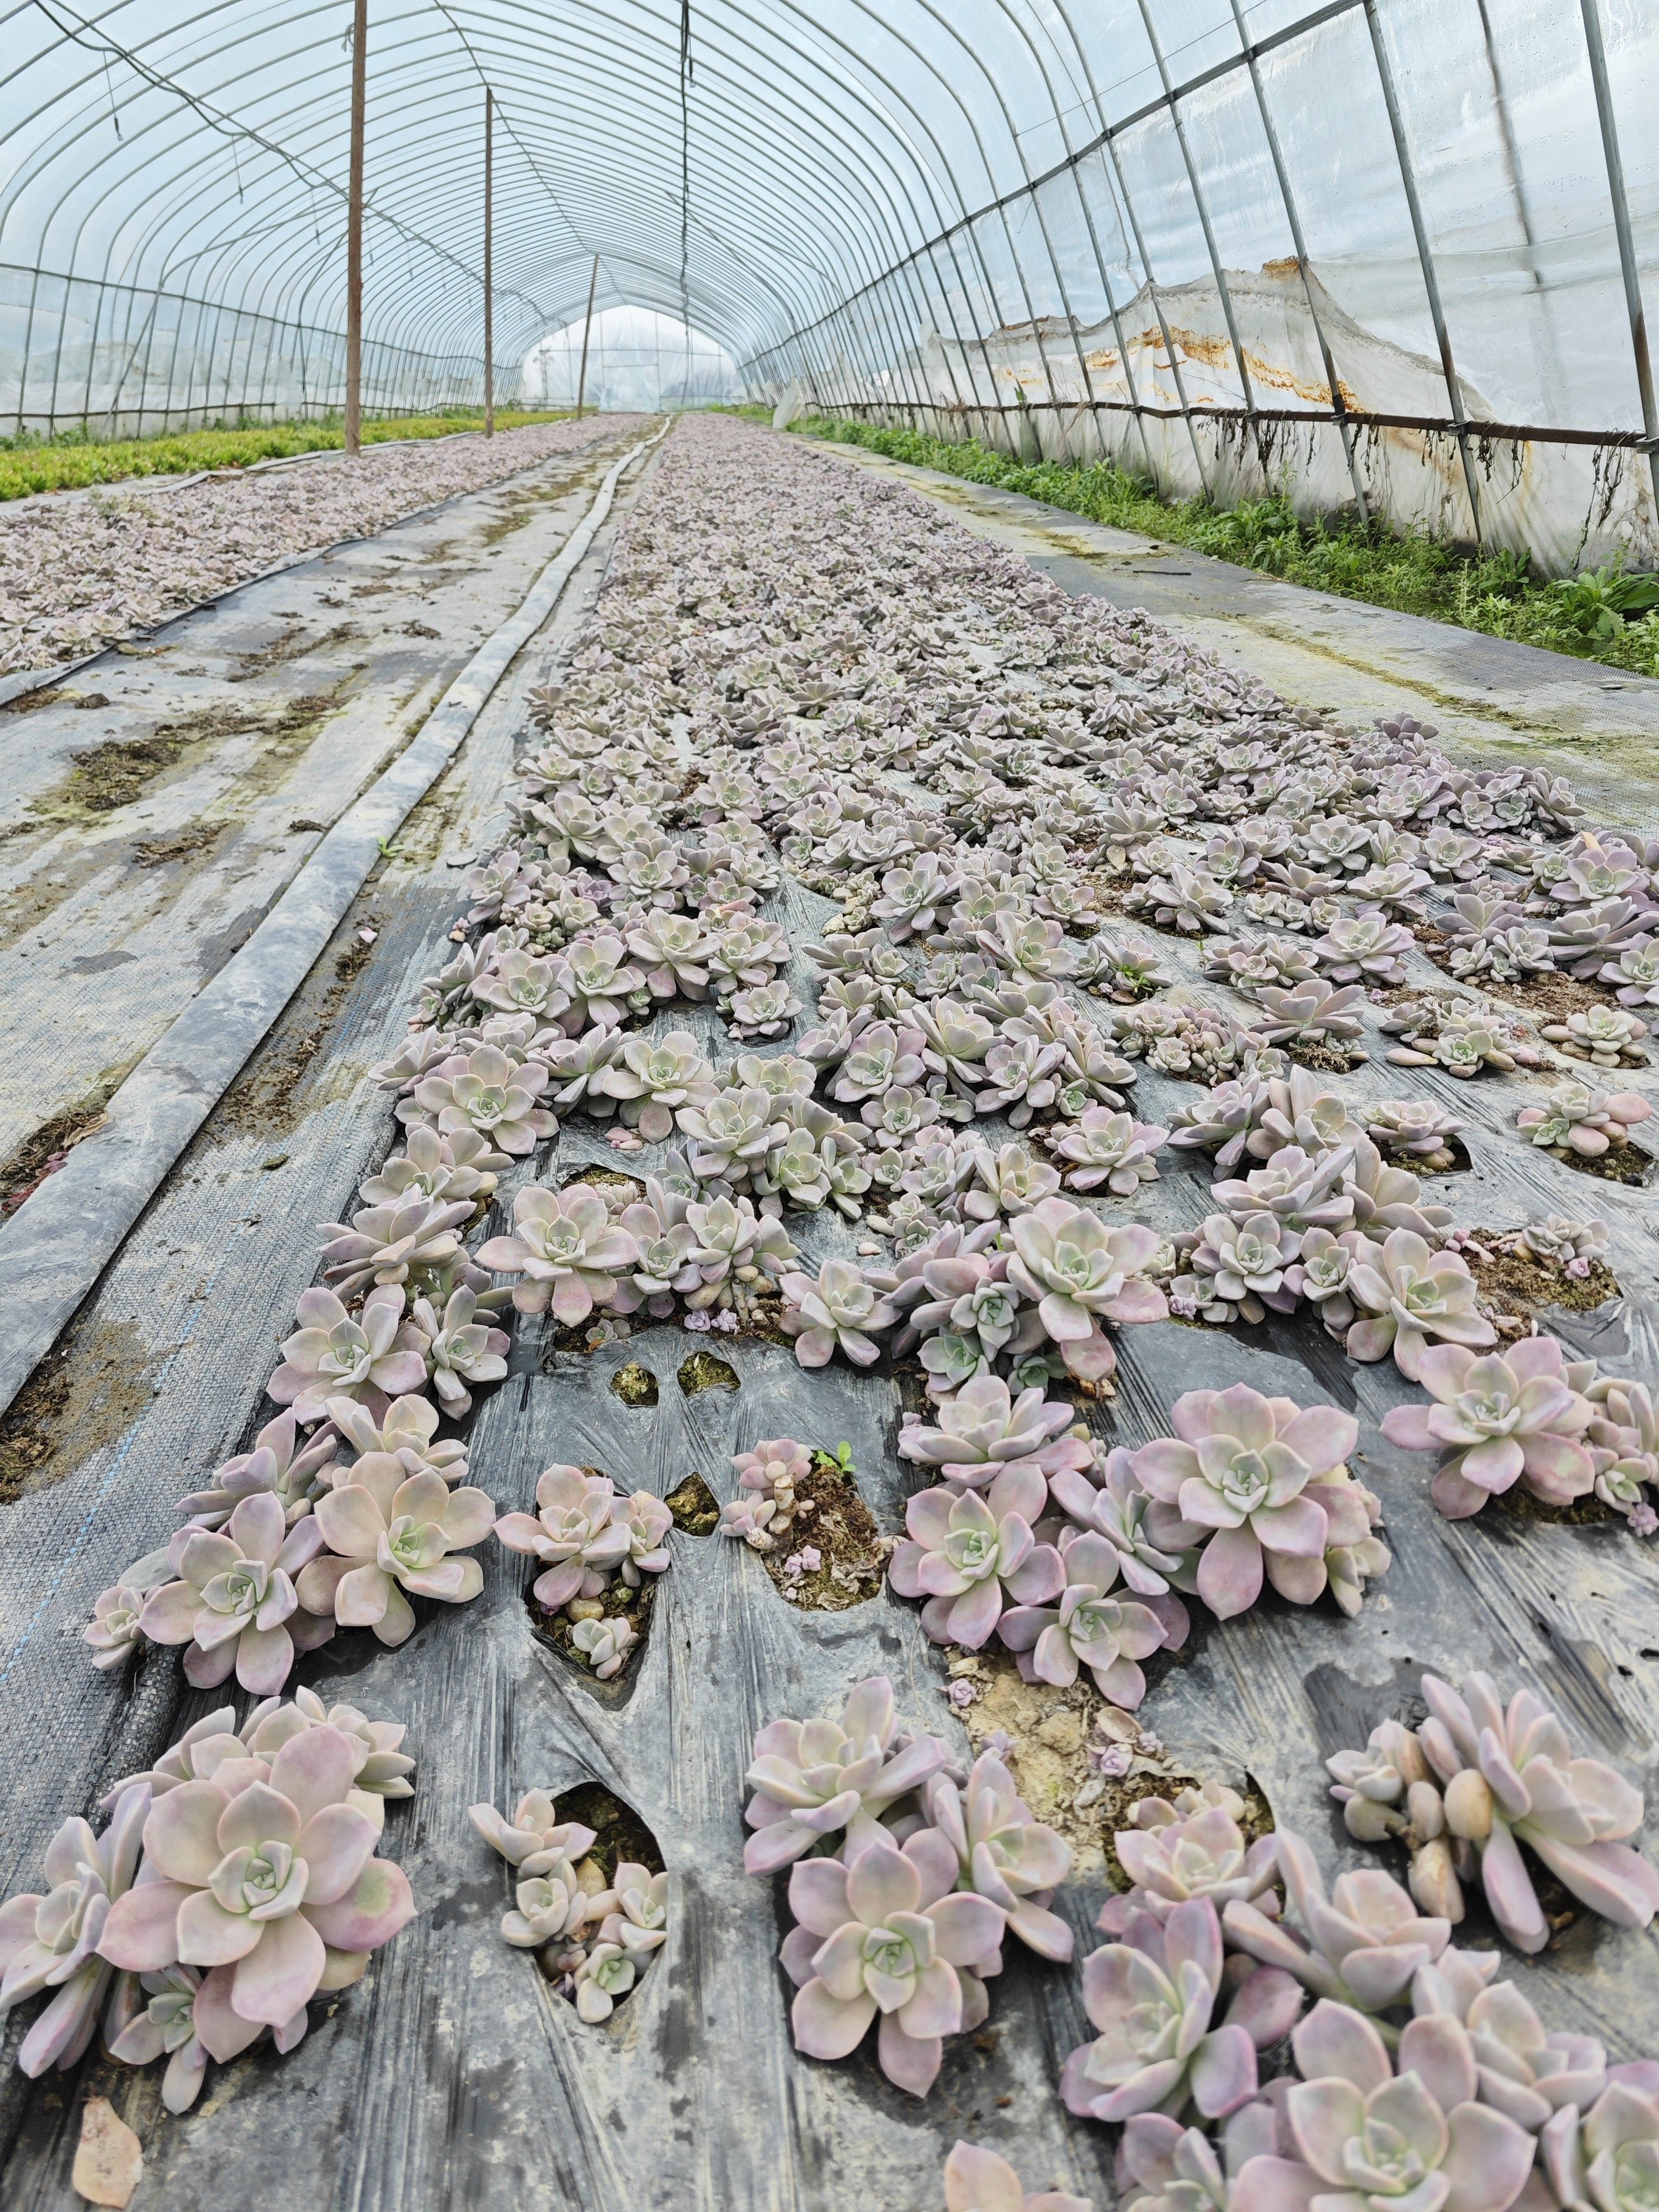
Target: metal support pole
1638	325
1426	259
1345	429
354	361
587	328
489	267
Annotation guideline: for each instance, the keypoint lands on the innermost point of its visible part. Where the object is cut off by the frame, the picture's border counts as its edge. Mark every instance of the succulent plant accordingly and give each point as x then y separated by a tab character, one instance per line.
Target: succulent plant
838	1310
1302	1191
54	1941
1003	1852
1086	1626
1080	1272
564	1246
1488	1778
1265	1474
1367	947
485	1093
734	1250
970	1553
461	1349
652	1078
887	1933
813	1779
1365	1942
1103	1147
576	1529
369	1358
1624	1441
1634	975
235	1605
1606	2158
1236	1269
1192	1848
437	1167
389	1534
1310	1015
274	1888
1158	2047
1415	1126
977	2180
1559	1241
1223	1120
1498	1418
294	1472
406	1431
1246	963
671	949
1407	1295
606	1644
1582	1120
983	1428
1608	1036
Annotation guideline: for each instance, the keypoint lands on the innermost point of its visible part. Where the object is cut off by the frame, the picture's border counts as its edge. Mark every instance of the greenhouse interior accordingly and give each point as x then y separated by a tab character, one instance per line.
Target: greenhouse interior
654	1555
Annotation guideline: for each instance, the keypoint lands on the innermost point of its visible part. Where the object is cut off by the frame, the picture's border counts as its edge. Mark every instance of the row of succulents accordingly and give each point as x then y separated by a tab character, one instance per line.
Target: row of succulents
979	770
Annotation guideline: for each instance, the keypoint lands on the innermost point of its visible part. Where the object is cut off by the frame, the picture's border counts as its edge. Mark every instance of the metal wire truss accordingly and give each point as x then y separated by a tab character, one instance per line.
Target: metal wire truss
1216	239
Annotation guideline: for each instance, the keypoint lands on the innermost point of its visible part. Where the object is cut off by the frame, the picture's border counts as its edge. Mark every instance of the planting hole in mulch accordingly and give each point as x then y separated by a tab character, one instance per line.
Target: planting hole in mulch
696	1508
556	1629
1326	1059
704	1372
619	1833
834	1528
1626	1164
635	1385
1452	1158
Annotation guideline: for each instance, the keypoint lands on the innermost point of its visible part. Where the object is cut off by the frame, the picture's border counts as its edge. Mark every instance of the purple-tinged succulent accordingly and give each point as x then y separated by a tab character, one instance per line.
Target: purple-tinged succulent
812	1779
970	1553
883	1936
977	2180
460	1165
1158	2050
1223	1120
461	1349
734	1250
518	982
838	1311
1624	1440
166	2026
1193	1848
1509	1777
1255	1471
1363	1944
983	1429
549	1907
1003	1851
294	1474
1559	1241
575	1531
772	1469
388	1533
1080	1272
114	1632
605	1644
1103	1147
368	1358
749	1520
1588	1122
1236	1268
1634	975
1086	1626
1310	1015
1366	947
733	1132
273	1887
1498	1418
568	1251
235	1604
1304	1191
52	1942
1607	2160
1378	2140
1106	1497
1407	1295
654	1077
487	1094
407	1432
1415	1126
581	1065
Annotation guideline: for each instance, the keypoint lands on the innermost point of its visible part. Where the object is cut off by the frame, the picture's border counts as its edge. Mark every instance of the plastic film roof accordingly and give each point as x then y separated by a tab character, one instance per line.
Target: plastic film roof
1036	218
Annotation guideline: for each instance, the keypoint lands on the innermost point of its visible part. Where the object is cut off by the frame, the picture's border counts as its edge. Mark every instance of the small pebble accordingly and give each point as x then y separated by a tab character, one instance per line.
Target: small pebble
110	2158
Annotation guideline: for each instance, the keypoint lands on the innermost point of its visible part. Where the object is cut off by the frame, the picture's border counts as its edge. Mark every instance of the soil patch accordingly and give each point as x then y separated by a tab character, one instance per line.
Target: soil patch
696	1508
195	837
704	1372
1511	1283
44	1151
84	1394
116	773
265	1098
1626	1164
619	1834
840	1530
635	1385
1326	1059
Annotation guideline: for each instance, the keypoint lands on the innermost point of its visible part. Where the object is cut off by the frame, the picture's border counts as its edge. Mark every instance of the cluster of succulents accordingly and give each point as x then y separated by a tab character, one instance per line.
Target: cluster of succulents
1475	1781
232	1883
1073	1556
594	1934
589	1539
1420	2076
907	1876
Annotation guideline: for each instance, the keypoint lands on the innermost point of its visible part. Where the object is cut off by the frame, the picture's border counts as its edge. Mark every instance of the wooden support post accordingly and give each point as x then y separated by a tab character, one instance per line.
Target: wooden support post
354	366
581	379
489	272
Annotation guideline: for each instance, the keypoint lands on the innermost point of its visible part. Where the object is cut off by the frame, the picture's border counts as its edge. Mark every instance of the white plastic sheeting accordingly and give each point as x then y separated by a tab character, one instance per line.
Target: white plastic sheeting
636	360
1387	250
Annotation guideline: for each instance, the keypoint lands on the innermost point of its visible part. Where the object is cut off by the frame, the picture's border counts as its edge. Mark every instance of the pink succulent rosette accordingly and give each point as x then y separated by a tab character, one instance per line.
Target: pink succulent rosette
884	1936
971	1554
1498	1418
1087	1626
818	1779
235	1604
1248	1467
567	1250
272	1886
979	2181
